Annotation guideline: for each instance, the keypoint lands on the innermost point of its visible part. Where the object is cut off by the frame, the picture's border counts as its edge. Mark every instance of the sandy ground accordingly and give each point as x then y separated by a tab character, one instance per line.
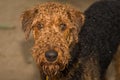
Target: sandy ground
16	62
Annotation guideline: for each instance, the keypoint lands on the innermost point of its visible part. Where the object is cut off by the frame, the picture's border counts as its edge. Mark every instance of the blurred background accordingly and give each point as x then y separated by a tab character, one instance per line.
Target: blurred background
16	62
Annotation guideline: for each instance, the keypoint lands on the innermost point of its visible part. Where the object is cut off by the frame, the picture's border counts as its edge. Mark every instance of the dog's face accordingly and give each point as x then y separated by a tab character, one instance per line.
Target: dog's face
55	29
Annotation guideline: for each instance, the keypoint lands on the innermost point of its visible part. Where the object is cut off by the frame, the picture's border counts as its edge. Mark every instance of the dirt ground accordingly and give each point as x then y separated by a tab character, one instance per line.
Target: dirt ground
16	62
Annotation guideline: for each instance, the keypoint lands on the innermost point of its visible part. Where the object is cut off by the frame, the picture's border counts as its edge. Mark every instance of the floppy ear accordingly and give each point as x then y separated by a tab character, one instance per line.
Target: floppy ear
77	18
27	19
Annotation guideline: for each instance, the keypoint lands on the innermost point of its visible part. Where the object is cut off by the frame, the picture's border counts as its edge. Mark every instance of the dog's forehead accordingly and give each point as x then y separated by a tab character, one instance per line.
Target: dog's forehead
51	19
51	12
53	7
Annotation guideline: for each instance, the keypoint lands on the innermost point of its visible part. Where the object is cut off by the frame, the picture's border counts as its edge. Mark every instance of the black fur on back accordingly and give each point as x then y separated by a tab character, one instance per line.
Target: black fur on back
100	34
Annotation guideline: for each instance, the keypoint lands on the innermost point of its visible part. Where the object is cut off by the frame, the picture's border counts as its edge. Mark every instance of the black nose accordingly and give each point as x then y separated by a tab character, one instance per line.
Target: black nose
51	55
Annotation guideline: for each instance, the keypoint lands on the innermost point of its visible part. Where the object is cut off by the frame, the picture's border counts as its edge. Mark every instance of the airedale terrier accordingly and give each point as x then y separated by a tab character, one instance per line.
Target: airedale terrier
55	29
69	46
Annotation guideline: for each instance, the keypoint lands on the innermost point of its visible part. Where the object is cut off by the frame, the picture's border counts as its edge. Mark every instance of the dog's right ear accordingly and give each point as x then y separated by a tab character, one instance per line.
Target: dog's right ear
27	19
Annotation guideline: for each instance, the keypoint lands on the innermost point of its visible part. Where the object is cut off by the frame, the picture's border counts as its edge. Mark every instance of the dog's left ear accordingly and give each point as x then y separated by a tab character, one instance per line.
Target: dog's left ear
27	19
77	18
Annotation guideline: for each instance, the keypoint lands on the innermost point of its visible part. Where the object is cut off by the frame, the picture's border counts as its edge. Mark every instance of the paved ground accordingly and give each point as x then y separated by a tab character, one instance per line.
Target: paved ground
15	59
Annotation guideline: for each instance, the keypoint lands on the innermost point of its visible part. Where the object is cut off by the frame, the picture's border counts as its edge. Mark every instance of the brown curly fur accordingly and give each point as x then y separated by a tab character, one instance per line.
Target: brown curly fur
44	20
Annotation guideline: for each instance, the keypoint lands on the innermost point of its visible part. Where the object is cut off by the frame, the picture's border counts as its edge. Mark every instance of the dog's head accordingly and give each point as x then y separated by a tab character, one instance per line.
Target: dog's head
55	28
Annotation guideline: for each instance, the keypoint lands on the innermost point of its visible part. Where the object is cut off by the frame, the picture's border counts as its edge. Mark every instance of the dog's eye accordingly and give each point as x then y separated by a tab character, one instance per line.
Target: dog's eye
63	26
40	26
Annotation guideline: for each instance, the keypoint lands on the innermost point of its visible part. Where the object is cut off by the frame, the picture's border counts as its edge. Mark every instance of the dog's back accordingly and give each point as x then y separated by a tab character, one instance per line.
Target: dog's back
101	32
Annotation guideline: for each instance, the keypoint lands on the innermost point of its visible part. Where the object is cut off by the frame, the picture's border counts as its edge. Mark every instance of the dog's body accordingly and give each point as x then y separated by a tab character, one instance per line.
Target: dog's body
81	57
100	35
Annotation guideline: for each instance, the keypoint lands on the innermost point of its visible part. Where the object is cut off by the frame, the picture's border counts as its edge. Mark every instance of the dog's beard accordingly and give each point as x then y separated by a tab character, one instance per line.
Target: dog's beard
52	69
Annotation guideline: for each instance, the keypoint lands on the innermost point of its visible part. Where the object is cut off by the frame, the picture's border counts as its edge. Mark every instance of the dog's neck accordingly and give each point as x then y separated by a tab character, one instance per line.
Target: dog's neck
51	78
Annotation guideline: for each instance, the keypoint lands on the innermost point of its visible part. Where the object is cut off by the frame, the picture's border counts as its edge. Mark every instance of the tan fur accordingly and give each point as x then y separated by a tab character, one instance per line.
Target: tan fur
117	64
44	20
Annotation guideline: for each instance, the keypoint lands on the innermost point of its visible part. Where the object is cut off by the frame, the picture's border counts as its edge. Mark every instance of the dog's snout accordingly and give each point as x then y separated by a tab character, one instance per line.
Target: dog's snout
51	55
